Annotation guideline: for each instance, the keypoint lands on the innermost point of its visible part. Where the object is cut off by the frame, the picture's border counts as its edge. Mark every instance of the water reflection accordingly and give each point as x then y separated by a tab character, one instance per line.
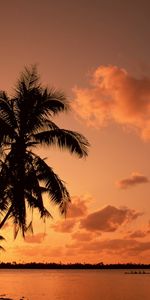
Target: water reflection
73	285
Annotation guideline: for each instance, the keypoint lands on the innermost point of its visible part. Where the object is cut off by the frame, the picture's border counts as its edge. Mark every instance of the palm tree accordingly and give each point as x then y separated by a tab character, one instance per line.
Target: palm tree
26	123
2	239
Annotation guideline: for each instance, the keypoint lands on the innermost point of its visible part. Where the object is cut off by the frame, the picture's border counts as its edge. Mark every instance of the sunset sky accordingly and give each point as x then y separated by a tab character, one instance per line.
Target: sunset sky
98	53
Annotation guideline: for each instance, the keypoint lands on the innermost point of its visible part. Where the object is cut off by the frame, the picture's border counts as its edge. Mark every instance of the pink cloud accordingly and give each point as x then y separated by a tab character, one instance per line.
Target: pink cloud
115	95
132	180
108	219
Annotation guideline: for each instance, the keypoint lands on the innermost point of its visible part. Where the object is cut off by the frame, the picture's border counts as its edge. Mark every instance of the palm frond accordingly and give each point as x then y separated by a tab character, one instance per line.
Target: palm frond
6	111
33	104
16	229
64	139
26	122
5	184
28	79
2	248
29	228
53	101
18	210
2	238
54	185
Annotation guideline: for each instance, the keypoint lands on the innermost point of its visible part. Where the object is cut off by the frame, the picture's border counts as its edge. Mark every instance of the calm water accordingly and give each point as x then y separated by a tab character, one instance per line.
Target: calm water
73	285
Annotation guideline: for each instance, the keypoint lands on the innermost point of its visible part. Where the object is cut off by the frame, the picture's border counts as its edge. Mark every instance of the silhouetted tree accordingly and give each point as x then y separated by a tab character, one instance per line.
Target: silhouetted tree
26	123
2	239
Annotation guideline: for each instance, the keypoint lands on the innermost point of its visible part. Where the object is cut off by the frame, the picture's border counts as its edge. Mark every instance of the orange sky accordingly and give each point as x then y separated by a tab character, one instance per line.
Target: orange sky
98	53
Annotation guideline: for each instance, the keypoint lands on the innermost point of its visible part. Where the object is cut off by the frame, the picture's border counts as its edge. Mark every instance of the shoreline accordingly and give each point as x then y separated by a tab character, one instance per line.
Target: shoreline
75	266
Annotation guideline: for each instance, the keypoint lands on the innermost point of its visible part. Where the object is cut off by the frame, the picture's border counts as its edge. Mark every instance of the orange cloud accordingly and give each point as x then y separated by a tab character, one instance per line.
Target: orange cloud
108	219
78	207
115	95
140	247
76	210
39	252
111	246
139	234
118	246
83	236
132	180
35	238
64	226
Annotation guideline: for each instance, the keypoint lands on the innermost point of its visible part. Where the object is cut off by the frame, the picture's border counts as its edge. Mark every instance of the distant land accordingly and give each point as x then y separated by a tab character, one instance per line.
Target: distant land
83	266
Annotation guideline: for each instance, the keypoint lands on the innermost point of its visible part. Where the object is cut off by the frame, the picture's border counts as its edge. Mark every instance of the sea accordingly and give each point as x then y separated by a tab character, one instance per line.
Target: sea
73	285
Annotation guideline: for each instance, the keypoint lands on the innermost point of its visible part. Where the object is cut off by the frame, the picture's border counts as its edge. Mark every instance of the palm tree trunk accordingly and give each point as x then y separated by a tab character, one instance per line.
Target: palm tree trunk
6	217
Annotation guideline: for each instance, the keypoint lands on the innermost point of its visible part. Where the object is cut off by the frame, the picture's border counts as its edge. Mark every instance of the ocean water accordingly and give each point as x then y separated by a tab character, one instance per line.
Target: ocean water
73	285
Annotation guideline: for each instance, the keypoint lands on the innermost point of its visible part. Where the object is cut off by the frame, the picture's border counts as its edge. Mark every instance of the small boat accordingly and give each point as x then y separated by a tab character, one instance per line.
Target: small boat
136	272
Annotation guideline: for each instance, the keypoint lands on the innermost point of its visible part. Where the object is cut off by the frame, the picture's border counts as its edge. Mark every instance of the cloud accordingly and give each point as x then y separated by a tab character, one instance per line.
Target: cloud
133	179
115	95
39	252
83	236
120	247
65	226
111	246
35	238
30	251
76	211
140	247
139	234
108	219
78	207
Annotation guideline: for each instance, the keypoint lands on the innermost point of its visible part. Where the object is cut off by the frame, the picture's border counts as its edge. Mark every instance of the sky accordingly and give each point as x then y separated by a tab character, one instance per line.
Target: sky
97	52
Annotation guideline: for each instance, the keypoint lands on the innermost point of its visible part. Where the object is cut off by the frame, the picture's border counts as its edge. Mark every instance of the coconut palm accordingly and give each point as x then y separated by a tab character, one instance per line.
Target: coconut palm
26	123
2	239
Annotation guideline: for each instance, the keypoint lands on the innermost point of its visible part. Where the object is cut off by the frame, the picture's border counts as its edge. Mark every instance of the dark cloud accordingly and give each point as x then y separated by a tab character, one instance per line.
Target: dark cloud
108	219
115	95
132	180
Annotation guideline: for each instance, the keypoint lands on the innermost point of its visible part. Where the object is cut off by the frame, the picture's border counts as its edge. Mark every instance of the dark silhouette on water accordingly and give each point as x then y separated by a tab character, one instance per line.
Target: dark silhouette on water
79	266
26	123
5	298
131	272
